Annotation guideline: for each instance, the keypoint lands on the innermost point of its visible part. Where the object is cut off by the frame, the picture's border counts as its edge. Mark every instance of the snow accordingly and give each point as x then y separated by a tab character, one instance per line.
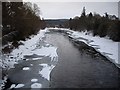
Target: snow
1	83
104	45
20	85
12	86
29	45
46	68
36	85
34	80
31	64
26	68
7	61
36	58
46	51
34	45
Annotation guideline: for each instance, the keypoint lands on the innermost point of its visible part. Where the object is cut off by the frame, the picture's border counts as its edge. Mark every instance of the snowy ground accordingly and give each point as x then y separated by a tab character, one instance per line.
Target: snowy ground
104	45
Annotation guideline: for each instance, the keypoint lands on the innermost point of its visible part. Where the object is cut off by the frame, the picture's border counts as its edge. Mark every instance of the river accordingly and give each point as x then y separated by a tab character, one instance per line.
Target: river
80	69
76	68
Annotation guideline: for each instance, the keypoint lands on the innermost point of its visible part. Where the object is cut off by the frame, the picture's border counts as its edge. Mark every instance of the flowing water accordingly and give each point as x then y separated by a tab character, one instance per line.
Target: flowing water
78	69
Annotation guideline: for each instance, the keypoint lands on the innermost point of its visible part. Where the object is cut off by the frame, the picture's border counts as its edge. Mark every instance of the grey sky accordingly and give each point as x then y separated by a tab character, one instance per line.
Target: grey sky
65	9
71	9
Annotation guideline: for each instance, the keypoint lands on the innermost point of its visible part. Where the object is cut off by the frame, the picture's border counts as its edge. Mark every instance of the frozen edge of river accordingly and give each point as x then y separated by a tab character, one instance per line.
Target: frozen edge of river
33	46
99	44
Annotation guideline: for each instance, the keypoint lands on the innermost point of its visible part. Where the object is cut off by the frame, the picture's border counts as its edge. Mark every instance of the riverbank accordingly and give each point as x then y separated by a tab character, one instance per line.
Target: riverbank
32	50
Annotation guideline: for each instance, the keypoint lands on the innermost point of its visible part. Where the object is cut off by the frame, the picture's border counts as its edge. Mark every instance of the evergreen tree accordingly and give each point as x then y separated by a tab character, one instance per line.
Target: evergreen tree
83	12
99	25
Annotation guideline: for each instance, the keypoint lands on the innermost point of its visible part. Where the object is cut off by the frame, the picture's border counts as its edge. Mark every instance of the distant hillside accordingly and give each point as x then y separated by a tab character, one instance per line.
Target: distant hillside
55	22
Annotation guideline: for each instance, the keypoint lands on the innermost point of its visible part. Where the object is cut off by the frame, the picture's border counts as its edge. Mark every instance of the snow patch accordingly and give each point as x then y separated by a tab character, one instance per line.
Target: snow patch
12	86
31	64
26	68
46	51
45	72
34	80
36	85
36	58
20	85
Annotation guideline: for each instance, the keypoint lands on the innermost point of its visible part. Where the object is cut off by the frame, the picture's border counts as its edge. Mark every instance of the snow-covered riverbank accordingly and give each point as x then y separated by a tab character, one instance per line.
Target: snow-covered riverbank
34	48
105	46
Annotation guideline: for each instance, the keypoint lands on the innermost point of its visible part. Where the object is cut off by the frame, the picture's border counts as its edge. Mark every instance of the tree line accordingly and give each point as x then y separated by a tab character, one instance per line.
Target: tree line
19	21
107	25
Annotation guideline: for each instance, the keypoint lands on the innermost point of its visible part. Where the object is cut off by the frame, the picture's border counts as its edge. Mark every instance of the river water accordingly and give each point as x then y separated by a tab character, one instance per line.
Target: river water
78	69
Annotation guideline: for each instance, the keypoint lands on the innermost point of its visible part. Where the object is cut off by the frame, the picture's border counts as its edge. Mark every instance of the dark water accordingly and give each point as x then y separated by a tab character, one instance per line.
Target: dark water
78	69
19	76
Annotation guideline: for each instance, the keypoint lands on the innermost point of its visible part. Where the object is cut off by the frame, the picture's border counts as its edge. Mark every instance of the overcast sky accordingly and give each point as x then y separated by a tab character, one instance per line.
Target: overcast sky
55	10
